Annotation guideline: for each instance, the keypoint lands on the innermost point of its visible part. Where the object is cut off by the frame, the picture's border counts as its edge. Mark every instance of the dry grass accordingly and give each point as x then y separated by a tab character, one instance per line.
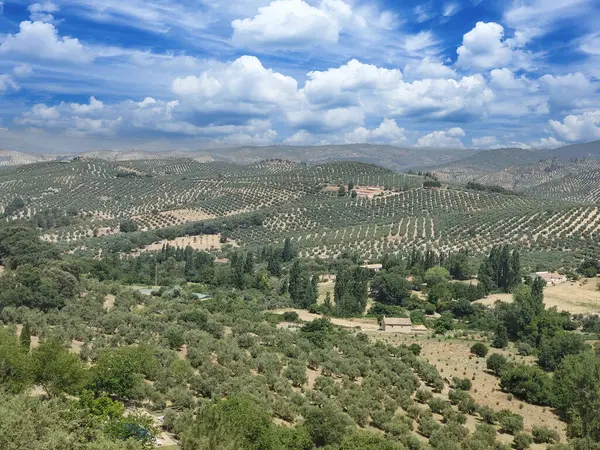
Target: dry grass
109	302
453	358
578	297
204	242
363	324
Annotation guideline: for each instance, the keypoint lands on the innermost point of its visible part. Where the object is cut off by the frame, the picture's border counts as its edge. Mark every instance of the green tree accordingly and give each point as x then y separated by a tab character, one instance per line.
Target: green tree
529	383
479	349
576	389
15	364
496	363
25	338
342	191
436	275
557	347
391	287
327	425
57	370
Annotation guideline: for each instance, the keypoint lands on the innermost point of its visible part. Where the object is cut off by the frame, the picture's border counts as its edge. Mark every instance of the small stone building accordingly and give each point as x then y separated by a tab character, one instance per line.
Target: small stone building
396	324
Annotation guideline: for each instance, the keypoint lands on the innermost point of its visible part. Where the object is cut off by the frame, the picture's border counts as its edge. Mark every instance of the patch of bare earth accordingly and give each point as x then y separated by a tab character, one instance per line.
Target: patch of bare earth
109	302
205	242
363	324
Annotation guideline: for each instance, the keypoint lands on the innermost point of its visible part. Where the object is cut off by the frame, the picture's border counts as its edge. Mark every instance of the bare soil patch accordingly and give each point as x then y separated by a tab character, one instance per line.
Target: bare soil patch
363	324
577	297
204	242
109	302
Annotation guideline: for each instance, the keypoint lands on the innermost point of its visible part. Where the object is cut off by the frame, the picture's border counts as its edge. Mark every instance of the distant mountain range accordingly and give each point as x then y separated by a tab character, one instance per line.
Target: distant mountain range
451	164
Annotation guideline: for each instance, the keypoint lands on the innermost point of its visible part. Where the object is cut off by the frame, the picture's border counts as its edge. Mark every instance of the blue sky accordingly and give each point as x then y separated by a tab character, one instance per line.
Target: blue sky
163	74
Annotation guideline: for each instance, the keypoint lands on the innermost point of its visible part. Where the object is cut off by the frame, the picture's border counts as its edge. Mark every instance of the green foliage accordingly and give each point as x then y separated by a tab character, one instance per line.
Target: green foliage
57	370
444	323
557	347
522	441
326	425
479	349
436	275
25	337
577	394
545	435
510	423
128	226
529	383
496	363
391	287
15	365
351	291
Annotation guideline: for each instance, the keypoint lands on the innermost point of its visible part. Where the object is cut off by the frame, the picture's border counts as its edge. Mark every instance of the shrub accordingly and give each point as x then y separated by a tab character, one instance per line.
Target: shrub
529	383
427	426
525	349
415	349
488	415
479	349
510	422
522	441
496	363
290	316
464	384
437	405
423	396
544	435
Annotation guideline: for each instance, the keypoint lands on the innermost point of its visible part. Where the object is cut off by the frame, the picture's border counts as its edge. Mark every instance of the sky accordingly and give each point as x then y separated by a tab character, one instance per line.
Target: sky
191	74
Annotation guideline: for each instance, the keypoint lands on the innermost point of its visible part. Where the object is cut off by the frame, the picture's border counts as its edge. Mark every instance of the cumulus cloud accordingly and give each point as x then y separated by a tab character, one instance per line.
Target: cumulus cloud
547	142
296	23
42	12
579	127
446	139
93	106
468	97
243	84
505	79
484	47
337	83
326	120
428	68
41	41
573	90
486	142
388	132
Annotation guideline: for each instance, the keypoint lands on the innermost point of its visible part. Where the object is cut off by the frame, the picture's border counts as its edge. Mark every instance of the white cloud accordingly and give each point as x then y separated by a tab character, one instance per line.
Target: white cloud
336	83
428	68
579	127
573	90
486	142
484	47
421	43
590	44
7	83
301	137
330	119
243	85
445	139
42	12
296	23
534	18
505	79
450	9
423	13
93	106
41	41
441	98
23	70
388	132
547	142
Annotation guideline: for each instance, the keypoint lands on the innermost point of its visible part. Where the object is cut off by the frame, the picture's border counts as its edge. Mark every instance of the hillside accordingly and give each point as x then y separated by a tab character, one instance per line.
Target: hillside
83	202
